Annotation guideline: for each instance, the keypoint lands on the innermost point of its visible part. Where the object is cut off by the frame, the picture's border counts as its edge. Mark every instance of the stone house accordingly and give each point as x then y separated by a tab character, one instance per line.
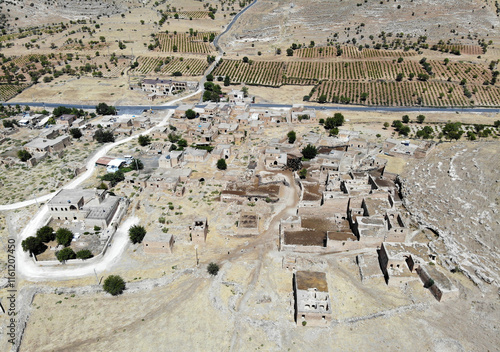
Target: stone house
312	300
158	243
199	231
42	145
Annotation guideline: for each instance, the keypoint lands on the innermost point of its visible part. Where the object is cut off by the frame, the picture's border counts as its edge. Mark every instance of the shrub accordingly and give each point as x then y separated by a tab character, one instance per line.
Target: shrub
114	285
292	136
213	269
144	140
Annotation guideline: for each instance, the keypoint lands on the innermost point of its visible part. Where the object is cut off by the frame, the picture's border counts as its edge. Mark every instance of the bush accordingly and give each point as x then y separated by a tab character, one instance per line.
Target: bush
114	285
303	173
84	254
75	133
66	254
46	234
420	118
64	237
213	269
221	164
292	136
429	283
137	233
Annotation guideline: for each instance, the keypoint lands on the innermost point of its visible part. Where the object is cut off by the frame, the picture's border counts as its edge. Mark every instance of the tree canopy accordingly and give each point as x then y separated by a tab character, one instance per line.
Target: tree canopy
292	136
105	109
46	234
104	136
137	233
190	114
309	152
64	236
33	245
23	155
213	269
221	164
335	121
66	254
144	140
75	133
114	285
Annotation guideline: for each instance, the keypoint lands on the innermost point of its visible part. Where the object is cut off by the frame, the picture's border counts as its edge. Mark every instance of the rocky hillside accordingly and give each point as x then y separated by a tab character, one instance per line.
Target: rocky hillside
456	192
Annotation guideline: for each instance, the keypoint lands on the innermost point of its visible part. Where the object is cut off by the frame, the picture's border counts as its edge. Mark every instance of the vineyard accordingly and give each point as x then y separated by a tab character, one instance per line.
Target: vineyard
8	91
109	69
350	52
463	49
189	14
266	73
431	93
185	43
374	82
167	66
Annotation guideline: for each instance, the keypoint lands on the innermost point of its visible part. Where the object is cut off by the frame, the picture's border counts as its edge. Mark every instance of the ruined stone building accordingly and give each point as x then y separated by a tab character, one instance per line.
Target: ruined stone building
158	243
312	300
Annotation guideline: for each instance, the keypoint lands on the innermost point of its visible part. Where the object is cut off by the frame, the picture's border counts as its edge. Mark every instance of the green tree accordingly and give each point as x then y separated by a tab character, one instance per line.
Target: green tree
405	119
104	136
137	233
420	118
33	245
105	109
144	140
114	285
46	234
309	152
210	77
213	269
289	52
322	99
84	254
245	59
76	133
405	130
114	177
64	236
292	136
190	114
23	155
397	124
335	121
221	164
136	164
386	125
227	81
66	254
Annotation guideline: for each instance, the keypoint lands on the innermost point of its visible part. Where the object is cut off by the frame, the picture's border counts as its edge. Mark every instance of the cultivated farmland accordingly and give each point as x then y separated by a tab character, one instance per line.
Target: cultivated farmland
350	52
8	91
198	43
167	66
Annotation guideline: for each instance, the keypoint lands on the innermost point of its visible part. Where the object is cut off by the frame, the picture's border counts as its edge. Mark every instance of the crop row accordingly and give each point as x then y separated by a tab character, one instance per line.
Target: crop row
260	72
8	91
190	14
406	93
463	49
189	67
184	43
350	52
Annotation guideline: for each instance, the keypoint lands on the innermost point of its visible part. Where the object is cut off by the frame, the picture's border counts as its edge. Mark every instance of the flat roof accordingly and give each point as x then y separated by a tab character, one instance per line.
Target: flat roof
305	238
311	279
